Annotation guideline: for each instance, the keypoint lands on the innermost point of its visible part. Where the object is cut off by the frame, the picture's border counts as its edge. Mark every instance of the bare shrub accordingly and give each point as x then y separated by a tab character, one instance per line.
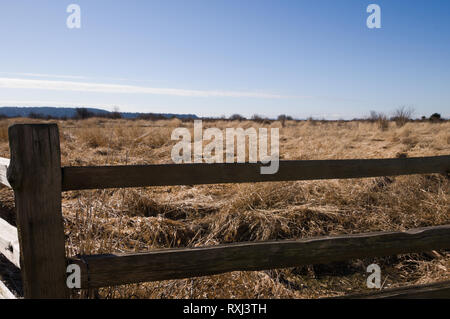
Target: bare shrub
283	118
402	115
257	118
83	113
380	119
236	117
311	121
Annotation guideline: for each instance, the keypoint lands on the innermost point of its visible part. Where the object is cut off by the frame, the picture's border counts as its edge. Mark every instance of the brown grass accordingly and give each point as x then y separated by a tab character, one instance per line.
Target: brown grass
139	219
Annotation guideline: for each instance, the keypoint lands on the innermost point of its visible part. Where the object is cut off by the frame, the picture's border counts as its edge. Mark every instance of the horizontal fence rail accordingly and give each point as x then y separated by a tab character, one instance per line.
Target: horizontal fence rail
77	178
108	270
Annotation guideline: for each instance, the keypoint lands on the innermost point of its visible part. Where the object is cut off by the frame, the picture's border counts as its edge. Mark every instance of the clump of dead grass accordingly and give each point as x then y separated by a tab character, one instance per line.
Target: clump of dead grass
94	137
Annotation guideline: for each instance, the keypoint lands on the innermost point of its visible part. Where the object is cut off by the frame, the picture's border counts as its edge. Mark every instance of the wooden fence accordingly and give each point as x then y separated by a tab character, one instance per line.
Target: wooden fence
37	178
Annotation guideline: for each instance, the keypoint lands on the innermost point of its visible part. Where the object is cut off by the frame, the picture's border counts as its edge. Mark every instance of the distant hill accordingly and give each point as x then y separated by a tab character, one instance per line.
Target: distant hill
69	112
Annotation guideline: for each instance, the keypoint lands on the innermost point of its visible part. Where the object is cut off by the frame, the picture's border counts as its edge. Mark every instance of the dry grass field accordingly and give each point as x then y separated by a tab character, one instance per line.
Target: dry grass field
140	219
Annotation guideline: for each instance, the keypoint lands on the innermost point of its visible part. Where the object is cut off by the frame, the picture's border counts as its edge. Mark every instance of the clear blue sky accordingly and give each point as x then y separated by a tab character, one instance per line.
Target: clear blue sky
303	58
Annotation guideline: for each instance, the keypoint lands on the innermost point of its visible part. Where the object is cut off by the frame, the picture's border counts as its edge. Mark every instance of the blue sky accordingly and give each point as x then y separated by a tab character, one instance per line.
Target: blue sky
303	58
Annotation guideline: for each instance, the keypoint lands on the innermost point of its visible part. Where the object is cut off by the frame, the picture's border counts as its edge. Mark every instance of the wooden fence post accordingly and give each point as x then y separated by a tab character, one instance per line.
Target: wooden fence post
35	175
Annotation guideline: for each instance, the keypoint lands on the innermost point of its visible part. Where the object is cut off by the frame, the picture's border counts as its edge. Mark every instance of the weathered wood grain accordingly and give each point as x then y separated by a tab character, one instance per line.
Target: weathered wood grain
437	290
76	178
108	270
35	175
4	162
9	243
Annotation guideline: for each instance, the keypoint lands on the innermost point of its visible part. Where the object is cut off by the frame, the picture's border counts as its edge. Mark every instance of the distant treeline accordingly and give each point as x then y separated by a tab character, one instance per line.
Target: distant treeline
56	113
401	116
82	114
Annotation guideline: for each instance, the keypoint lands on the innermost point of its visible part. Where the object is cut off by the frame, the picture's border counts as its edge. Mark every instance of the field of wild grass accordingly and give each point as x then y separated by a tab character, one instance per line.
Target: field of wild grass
140	219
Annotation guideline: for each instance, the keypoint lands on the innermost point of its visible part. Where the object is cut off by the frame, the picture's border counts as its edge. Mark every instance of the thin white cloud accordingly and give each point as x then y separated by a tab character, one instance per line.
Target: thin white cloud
73	77
54	103
42	75
15	83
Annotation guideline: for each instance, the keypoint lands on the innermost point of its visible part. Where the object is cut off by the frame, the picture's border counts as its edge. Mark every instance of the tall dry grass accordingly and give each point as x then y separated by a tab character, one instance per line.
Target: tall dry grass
140	219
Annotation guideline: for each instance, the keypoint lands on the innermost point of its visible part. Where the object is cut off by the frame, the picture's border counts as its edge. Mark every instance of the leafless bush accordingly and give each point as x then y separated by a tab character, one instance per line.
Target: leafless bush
283	118
311	121
237	117
402	115
379	118
257	118
260	119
